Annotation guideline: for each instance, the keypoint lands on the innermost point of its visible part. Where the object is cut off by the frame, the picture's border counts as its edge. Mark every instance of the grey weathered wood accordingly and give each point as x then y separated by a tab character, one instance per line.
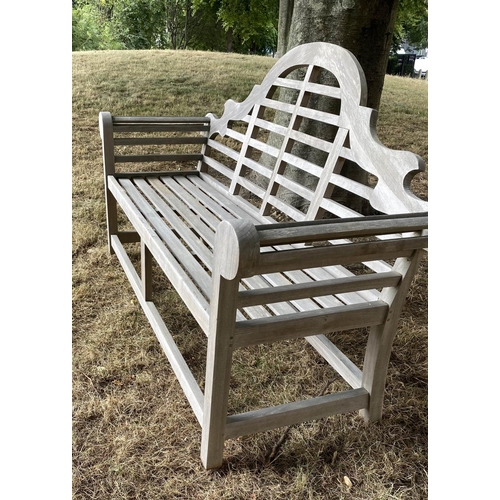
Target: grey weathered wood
249	279
120	120
340	254
286	327
138	141
160	173
381	337
181	369
340	228
108	159
181	281
156	158
317	288
297	412
236	247
146	267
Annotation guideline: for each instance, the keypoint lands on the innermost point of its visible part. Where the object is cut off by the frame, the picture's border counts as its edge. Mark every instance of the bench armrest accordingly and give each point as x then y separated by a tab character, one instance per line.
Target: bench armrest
245	250
144	138
341	242
329	229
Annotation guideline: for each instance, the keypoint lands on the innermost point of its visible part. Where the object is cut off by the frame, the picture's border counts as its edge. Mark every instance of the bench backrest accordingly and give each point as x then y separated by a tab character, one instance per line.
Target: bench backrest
297	131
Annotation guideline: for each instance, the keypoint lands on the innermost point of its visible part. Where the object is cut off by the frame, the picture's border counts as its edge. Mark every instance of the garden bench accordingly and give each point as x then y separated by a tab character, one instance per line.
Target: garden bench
252	267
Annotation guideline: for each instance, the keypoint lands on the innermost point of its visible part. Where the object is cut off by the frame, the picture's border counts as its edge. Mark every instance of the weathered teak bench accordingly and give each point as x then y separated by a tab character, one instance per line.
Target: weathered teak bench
251	267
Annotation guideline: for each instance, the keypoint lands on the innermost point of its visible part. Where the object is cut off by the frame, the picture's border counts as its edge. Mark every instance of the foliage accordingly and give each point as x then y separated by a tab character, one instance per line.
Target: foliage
251	25
89	30
246	26
411	24
140	24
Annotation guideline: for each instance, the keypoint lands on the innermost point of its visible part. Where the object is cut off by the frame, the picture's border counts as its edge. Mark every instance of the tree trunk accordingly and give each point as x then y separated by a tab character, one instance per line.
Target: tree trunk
229	44
365	28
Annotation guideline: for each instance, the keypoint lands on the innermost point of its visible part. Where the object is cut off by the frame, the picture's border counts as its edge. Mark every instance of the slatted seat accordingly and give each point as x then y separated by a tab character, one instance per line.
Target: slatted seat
253	266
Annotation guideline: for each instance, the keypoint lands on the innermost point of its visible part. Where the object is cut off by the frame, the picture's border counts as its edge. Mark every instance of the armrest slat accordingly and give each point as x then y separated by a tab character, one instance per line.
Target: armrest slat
339	254
341	228
317	288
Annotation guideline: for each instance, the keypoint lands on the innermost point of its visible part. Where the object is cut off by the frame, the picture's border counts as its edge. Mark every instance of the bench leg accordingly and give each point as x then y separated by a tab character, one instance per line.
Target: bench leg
111	218
146	268
218	371
380	339
378	352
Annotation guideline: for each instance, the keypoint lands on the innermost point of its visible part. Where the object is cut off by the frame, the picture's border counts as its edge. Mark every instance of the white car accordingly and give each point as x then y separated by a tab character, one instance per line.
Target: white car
421	65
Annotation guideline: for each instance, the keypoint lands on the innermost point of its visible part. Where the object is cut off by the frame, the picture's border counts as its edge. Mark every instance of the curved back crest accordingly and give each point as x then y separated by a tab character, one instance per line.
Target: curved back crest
285	146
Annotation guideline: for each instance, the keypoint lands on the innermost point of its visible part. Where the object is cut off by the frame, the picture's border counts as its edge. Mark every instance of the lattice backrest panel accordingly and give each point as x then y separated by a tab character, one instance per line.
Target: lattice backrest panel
293	145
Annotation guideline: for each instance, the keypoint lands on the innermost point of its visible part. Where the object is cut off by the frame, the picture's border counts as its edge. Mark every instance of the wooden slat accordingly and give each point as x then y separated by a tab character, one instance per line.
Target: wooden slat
182	282
287	209
257	283
340	228
338	209
234	134
310	140
295	187
337	360
252	187
257	167
251	132
225	150
320	116
201	220
315	88
340	254
351	185
341	363
233	204
159	157
159	173
161	127
219	167
339	272
198	248
303	324
118	120
270	126
304	165
136	141
324	188
251	210
199	191
317	289
294	413
278	105
177	249
179	366
264	147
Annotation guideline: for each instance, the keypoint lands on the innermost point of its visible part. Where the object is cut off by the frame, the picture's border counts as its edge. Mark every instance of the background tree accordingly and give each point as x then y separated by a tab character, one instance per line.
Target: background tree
365	27
92	28
140	24
250	25
411	24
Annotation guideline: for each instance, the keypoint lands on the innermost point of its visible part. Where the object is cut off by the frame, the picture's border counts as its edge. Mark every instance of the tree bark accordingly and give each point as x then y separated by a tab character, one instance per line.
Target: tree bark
365	28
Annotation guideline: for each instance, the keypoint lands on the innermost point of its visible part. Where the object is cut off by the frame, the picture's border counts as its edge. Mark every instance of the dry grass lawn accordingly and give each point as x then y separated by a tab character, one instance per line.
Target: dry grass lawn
134	434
